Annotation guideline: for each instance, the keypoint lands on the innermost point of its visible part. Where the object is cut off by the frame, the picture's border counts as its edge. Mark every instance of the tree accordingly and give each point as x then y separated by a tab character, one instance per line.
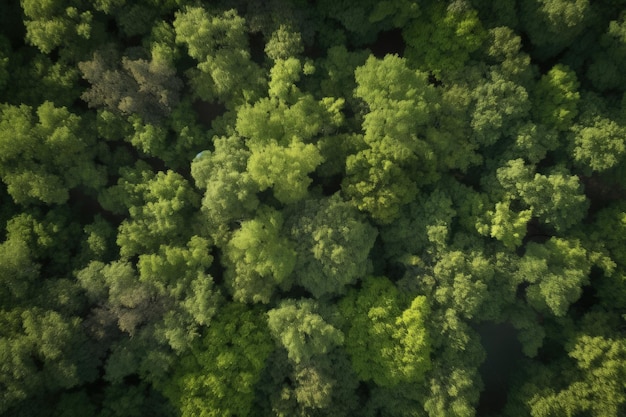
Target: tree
597	386
508	226
387	341
333	243
259	258
609	230
556	98
284	169
49	24
386	175
297	327
218	376
556	272
279	128
42	352
338	67
17	271
500	107
552	25
463	283
149	88
164	211
609	56
288	113
410	234
309	341
45	155
443	38
370	17
178	274
218	43
556	198
284	44
229	191
597	145
504	48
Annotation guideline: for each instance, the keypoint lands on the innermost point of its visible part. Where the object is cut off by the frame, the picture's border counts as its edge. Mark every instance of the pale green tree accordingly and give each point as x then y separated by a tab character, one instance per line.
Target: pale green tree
333	243
386	336
218	376
259	258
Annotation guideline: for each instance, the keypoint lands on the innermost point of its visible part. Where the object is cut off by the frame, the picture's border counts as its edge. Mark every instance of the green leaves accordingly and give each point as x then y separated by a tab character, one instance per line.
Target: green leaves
556	270
386	175
258	258
301	331
443	40
49	24
218	376
557	97
167	204
599	145
224	71
44	156
556	198
284	169
599	388
500	107
387	343
332	243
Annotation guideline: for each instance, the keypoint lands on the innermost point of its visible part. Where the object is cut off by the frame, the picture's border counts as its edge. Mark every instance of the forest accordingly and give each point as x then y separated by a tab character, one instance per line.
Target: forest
309	208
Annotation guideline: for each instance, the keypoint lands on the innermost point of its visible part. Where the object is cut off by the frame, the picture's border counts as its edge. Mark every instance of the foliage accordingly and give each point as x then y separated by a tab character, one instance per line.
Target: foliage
217	377
312	208
387	342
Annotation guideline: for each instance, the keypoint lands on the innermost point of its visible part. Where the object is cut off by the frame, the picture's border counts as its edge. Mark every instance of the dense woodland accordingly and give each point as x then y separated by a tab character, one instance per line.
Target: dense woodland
313	208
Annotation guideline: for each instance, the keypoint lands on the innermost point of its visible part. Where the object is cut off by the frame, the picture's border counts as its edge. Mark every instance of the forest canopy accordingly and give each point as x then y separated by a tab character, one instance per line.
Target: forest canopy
312	208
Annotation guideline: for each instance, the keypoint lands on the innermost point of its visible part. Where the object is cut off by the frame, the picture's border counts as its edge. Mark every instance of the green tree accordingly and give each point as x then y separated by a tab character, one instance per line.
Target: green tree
310	343
597	386
500	108
333	244
597	144
553	25
259	258
609	56
54	23
230	194
42	352
386	338
178	274
556	272
304	334
164	212
411	234
609	230
218	43
463	282
284	169
556	98
338	67
218	376
369	17
386	175
443	38
44	155
504	49
17	271
284	44
556	198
